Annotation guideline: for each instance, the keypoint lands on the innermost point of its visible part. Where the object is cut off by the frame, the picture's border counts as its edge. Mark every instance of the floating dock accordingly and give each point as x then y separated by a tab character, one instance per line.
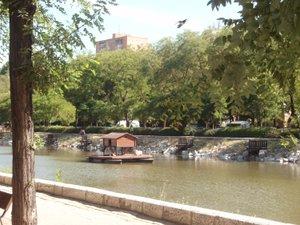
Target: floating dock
119	159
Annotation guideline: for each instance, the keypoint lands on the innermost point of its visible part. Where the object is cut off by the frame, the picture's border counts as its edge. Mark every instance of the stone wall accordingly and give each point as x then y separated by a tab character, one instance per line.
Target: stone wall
176	213
223	148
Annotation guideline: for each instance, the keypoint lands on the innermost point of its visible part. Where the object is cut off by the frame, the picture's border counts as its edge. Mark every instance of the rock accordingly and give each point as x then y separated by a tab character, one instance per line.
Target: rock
245	155
262	153
270	159
184	153
293	159
278	156
240	158
226	157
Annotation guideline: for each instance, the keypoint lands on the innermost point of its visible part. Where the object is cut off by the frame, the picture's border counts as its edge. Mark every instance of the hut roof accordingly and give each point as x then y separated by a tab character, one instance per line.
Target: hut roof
116	135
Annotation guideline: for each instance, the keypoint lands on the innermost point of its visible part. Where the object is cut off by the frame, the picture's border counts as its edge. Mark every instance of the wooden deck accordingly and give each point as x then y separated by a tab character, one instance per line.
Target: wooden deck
119	159
255	145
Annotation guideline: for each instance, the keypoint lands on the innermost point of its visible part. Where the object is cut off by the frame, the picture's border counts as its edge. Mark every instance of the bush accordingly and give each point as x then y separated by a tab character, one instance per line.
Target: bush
289	142
57	129
255	132
104	130
240	132
169	131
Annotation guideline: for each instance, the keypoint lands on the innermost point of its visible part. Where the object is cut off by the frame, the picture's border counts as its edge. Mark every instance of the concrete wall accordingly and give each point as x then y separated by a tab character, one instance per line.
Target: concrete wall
177	213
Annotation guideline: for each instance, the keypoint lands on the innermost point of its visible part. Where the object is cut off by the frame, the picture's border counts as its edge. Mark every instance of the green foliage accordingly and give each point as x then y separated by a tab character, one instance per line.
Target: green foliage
182	78
4	99
259	132
190	130
4	109
289	142
57	31
38	142
267	102
239	132
265	19
57	129
58	175
52	108
104	130
270	31
103	92
196	78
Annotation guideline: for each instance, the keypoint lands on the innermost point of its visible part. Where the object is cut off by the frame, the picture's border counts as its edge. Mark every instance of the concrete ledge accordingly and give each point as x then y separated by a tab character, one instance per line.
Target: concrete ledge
153	209
73	191
176	213
94	196
131	205
44	186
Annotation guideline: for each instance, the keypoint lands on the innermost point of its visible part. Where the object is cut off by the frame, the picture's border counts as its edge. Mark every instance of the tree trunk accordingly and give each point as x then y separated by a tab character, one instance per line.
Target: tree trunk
127	119
293	110
21	69
165	122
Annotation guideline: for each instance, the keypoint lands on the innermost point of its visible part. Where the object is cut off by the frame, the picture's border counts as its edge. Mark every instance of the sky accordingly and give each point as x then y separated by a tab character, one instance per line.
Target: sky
156	19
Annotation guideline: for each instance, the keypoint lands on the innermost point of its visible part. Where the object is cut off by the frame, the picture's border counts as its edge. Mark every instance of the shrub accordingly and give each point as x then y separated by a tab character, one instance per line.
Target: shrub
169	131
257	132
57	129
58	175
38	142
289	142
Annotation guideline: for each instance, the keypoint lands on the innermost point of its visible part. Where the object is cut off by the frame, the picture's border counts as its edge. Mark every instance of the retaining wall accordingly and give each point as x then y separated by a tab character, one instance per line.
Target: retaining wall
177	213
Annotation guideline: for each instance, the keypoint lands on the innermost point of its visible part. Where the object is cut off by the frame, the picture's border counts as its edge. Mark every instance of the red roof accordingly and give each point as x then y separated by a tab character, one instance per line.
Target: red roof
116	135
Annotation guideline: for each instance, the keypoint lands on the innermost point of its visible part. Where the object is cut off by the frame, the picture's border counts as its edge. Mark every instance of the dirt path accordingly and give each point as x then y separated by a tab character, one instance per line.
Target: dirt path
60	211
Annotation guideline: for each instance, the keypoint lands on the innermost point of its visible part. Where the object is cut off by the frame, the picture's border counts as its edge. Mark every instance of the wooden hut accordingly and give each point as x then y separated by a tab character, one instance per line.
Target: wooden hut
119	143
118	148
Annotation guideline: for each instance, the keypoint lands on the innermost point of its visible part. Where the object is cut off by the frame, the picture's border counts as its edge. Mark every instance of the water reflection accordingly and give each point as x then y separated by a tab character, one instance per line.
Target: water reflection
268	190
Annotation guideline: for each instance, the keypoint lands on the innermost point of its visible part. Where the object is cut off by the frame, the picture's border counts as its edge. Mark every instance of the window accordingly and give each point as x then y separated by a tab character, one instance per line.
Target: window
119	43
102	45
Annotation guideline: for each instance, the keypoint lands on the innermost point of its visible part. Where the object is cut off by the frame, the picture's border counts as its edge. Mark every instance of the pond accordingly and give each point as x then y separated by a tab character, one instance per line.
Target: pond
268	190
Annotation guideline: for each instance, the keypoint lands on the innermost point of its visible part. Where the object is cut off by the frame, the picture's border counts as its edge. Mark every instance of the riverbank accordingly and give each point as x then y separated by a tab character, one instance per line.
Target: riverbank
157	210
220	148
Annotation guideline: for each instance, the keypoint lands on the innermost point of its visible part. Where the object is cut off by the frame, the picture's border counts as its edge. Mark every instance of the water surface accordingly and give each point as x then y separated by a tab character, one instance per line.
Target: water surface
268	190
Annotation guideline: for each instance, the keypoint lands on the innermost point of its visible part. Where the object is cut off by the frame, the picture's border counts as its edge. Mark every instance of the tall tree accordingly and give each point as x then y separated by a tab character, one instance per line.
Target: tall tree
272	29
178	83
53	42
20	69
101	85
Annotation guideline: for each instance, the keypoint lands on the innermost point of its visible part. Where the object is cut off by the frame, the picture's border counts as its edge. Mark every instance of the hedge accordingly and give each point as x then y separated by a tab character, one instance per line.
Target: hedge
219	132
105	130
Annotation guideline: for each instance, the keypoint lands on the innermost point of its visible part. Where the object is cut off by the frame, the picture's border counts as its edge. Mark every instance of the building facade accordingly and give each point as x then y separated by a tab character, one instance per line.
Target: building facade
121	41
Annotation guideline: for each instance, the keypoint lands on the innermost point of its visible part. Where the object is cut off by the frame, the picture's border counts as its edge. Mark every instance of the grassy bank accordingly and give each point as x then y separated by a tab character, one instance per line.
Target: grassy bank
220	132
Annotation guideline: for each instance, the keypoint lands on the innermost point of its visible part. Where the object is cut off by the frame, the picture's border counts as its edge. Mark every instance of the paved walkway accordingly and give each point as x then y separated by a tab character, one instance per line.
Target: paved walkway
60	211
